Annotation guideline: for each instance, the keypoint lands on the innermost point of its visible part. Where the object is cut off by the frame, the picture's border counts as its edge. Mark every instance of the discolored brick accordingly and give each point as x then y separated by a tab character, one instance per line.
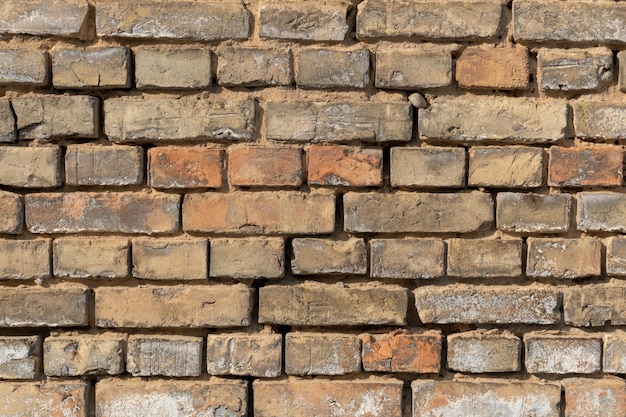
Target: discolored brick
24	259
245	354
77	257
428	167
332	68
322	354
594	397
482	351
177	356
8	132
562	353
564	258
402	351
412	68
91	68
264	166
594	305
574	69
20	357
254	67
312	256
67	399
344	166
23	67
506	166
30	167
488	67
51	18
11	213
103	165
177	259
169	66
601	211
616	256
599	119
614	352
184	167
484	258
302	20
247	258
533	213
588	166
406	258
84	354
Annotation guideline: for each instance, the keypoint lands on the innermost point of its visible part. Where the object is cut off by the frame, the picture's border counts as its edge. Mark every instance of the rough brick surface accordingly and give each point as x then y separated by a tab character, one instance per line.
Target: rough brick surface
484	351
601	120
428	167
56	18
67	399
175	259
36	167
533	213
184	167
264	166
614	352
592	397
262	257
323	256
484	258
244	354
402	351
589	166
82	354
23	67
344	166
254	67
56	306
19	357
91	68
506	166
172	67
564	258
406	258
601	211
574	69
77	257
23	259
594	305
413	68
164	355
304	20
8	132
103	165
499	68
328	68
562	353
11	213
322	354
616	257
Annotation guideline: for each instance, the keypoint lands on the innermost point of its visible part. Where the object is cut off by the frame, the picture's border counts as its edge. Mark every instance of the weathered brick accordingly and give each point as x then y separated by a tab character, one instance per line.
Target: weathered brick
474	119
412	68
262	257
179	259
614	352
601	211
574	69
172	66
184	167
11	213
621	57
402	351
82	354
164	355
564	258
325	256
594	397
417	212
52	18
485	398
260	213
264	166
24	259
488	304
103	165
205	21
587	166
482	351
7	122
177	306
91	68
338	165
23	67
322	354
331	68
562	353
406	258
497	68
124	212
506	166
254	67
599	119
130	119
319	398
19	357
244	354
30	167
428	167
330	305
533	213
44	399
432	20
594	305
484	258
77	257
616	257
339	122
303	20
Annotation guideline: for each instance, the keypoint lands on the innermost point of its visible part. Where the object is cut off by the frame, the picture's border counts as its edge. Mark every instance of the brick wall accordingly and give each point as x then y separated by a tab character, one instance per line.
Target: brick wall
377	208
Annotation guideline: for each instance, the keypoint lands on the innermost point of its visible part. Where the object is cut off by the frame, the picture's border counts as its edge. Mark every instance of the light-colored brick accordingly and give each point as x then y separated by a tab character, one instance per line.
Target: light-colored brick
30	167
533	213
257	355
178	259
586	166
601	211
268	166
20	357
506	166
91	68
406	258
616	257
621	57
322	354
172	66
562	353
564	258
164	355
428	167
324	256
614	352
498	68
301	20
484	258
67	399
252	258
599	119
41	18
331	68
24	259
23	67
11	213
413	68
84	354
7	122
594	397
482	351
337	165
574	69
184	167
103	165
77	257
402	351
254	67
594	305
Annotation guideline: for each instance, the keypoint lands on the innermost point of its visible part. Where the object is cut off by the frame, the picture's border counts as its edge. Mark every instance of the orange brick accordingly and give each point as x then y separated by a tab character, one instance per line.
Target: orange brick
264	166
401	351
573	167
486	67
345	165
184	167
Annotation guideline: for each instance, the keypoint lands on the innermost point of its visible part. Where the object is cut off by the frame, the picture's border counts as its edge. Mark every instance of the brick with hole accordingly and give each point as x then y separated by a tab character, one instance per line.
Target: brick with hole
585	166
407	258
312	256
175	356
170	259
264	166
346	166
564	258
20	358
562	353
482	351
322	354
423	66
172	66
11	213
103	165
533	213
486	67
254	67
331	68
300	20
506	166
31	167
247	258
68	354
23	67
242	354
184	167
428	167
402	351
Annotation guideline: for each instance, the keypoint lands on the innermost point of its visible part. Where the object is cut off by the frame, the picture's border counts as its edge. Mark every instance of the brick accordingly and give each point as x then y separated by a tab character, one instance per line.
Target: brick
506	166
103	165
331	68
599	120
402	351
324	256
265	212
254	67
338	165
406	258
322	354
24	259
601	211
91	68
203	21
509	119
84	354
574	69
533	213
594	305
48	116
498	68
482	351
484	258
433	20
264	166
564	258
44	399
621	59
413	68
184	167
562	353
257	355
262	257
19	357
616	257
23	67
172	66
130	119
124	212
594	397
319	398
60	306
41	18
331	305
176	306
486	398
175	398
11	213
428	167
300	20
417	212
7	122
30	167
488	304
77	257
179	259
338	122
614	352
588	166
164	355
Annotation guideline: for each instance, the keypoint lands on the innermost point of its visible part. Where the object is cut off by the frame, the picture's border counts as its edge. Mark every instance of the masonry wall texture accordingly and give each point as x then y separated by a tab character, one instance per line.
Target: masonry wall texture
338	208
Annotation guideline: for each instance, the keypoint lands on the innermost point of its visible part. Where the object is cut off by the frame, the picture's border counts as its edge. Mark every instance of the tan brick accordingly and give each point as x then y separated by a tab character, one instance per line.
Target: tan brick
482	351
264	166
52	18
124	212
177	306
484	258
164	355
324	256
621	57
44	399
30	167
254	67
344	166
23	67
594	305
172	66
616	257
412	68
599	119
406	258
498	68
564	258
245	354
184	167
402	351
7	122
262	257
562	353
20	357
179	259
506	166
302	20
330	305
428	167
84	354
265	212
614	352
533	213
91	68
322	354
331	68
77	257
24	259
11	213
587	166
103	165
594	397
574	69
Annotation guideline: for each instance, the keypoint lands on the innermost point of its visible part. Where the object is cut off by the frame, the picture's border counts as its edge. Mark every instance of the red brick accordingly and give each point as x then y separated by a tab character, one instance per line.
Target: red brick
264	166
595	397
184	167
345	166
587	166
11	213
44	399
488	67
402	351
